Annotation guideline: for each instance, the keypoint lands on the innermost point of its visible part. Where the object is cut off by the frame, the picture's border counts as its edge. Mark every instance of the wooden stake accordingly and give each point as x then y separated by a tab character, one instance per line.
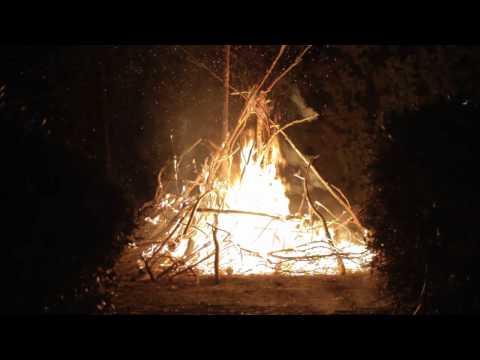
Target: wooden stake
217	251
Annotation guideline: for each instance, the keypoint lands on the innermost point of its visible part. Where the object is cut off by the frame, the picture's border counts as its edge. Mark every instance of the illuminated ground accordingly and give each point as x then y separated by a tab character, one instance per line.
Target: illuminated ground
351	294
261	294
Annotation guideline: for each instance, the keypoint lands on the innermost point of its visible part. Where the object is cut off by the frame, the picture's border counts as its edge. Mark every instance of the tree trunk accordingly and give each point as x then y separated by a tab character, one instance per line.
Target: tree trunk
105	114
226	84
108	154
226	167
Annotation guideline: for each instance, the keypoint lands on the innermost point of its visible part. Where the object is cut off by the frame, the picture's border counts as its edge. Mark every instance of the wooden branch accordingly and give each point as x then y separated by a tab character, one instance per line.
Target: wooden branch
159	191
198	63
188	203
213	145
251	99
272	66
247	162
168	270
295	63
342	194
240	212
145	206
192	214
226	86
422	293
283	128
194	265
323	182
217	251
166	240
190	149
176	263
341	265
149	271
326	209
242	119
310	257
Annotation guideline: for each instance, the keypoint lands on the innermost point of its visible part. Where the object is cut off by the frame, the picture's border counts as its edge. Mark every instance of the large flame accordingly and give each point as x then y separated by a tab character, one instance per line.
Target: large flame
258	234
245	217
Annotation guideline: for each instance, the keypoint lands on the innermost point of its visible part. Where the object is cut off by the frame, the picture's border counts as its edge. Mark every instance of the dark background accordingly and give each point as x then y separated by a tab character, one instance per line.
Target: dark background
139	95
86	129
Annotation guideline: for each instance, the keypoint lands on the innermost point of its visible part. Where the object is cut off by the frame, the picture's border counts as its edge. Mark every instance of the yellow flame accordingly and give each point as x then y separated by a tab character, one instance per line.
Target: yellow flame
252	244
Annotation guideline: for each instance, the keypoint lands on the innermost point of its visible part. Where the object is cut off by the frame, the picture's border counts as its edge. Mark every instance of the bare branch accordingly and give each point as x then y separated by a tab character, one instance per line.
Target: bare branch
297	61
323	182
272	66
327	231
240	212
217	250
200	64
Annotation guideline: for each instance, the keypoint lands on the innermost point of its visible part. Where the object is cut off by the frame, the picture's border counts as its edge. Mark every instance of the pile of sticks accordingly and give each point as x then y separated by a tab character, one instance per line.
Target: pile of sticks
196	204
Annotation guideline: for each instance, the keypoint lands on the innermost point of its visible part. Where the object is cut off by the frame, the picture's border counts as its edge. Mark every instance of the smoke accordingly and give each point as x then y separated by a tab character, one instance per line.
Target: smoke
300	103
303	111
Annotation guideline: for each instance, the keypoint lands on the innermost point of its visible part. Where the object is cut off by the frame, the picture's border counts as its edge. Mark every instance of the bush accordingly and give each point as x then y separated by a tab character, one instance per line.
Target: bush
423	206
66	223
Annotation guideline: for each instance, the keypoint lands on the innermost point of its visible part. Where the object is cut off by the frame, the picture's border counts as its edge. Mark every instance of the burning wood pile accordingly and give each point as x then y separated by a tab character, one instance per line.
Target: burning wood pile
232	216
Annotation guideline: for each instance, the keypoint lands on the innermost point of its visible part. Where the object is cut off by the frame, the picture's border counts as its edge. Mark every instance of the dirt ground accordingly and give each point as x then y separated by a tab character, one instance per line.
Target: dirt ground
351	294
252	295
245	295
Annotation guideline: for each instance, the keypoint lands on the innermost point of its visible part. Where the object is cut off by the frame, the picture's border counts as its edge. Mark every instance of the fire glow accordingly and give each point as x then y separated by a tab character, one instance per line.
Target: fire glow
256	231
235	216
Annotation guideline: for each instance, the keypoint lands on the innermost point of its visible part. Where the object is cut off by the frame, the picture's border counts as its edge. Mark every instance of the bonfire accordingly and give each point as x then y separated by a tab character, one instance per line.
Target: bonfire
233	215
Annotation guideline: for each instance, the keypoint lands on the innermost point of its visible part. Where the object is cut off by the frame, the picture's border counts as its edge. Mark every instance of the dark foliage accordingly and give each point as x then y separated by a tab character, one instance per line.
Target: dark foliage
424	206
101	101
64	225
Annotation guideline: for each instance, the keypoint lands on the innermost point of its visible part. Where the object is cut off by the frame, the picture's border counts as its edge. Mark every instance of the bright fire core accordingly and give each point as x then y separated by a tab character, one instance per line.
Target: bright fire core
272	240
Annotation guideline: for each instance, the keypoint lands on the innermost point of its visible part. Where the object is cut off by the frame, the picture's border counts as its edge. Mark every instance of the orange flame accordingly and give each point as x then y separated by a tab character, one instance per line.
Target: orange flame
253	244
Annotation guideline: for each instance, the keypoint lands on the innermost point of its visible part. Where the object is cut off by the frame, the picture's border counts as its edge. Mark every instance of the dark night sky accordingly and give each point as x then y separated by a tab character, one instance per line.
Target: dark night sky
143	93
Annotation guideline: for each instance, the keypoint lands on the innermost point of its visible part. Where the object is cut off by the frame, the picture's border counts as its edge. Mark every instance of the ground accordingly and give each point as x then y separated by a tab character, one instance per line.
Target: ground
253	295
249	295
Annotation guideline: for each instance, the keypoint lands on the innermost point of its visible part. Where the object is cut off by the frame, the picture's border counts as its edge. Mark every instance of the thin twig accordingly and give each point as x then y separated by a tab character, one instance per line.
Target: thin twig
251	101
327	231
200	64
180	159
226	85
195	264
341	193
323	182
295	63
241	212
283	128
247	162
149	271
272	66
422	293
192	214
